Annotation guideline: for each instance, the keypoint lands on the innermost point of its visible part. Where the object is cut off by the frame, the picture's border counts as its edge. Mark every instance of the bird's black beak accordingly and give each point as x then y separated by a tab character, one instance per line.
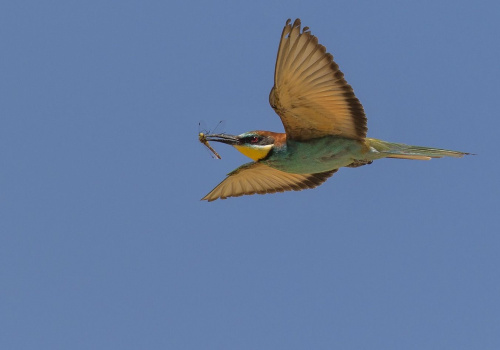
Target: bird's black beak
224	138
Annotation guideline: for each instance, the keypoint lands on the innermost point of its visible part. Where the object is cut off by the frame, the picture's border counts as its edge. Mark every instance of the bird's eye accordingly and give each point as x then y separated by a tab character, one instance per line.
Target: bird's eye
254	139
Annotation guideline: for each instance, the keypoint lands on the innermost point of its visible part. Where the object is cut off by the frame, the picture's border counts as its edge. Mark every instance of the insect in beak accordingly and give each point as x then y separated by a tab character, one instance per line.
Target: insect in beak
203	139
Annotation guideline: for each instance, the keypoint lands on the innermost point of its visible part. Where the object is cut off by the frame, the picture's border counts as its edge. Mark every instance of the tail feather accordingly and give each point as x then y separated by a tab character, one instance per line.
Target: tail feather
402	151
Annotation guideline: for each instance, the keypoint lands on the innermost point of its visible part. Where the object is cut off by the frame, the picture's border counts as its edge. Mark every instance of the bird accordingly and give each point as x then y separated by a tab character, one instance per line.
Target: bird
325	127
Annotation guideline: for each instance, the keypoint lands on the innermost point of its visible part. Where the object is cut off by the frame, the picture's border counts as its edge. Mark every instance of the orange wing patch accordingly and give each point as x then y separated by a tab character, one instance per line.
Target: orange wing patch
310	94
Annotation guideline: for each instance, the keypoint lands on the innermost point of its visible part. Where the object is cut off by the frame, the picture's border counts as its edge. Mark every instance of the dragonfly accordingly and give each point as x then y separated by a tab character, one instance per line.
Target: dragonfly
203	138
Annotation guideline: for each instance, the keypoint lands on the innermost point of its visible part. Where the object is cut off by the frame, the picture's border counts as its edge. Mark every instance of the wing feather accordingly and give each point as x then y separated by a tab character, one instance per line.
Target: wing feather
310	94
256	177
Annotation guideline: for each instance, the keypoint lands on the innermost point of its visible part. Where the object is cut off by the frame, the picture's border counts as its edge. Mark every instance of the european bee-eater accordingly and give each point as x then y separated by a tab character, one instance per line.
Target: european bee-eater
325	127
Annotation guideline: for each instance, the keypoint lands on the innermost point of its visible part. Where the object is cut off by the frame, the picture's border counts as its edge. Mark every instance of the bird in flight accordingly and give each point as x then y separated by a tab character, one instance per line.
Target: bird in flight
325	127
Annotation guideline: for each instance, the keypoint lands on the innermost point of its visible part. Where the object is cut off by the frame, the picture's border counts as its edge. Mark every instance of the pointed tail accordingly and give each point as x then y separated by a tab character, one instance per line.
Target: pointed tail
402	151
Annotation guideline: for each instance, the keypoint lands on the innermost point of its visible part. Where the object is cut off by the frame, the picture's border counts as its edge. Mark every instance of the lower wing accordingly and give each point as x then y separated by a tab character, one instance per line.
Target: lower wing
256	177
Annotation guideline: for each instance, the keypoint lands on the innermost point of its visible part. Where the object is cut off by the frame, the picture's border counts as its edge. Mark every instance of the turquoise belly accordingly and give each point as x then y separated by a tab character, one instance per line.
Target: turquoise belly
315	156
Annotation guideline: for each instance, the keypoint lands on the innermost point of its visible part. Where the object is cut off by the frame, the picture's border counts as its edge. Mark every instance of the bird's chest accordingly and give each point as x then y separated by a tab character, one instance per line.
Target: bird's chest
314	156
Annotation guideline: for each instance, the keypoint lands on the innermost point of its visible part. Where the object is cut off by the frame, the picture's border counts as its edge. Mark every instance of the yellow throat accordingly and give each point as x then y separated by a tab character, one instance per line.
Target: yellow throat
254	152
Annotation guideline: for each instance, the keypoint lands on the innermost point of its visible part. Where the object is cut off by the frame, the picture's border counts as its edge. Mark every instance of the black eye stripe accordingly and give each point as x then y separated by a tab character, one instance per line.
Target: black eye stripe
251	139
257	140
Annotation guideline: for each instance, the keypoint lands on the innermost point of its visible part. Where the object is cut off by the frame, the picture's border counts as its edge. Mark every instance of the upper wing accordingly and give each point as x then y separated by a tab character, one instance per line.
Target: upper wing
310	93
255	177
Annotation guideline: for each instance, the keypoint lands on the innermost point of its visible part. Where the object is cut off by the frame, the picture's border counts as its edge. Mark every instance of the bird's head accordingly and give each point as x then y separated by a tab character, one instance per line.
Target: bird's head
253	144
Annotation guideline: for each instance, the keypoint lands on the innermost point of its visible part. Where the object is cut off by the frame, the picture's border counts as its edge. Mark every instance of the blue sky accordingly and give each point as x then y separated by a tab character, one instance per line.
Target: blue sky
105	244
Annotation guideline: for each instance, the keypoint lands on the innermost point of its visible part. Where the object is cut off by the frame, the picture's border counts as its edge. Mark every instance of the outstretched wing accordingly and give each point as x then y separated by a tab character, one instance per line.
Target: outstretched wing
255	177
310	93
